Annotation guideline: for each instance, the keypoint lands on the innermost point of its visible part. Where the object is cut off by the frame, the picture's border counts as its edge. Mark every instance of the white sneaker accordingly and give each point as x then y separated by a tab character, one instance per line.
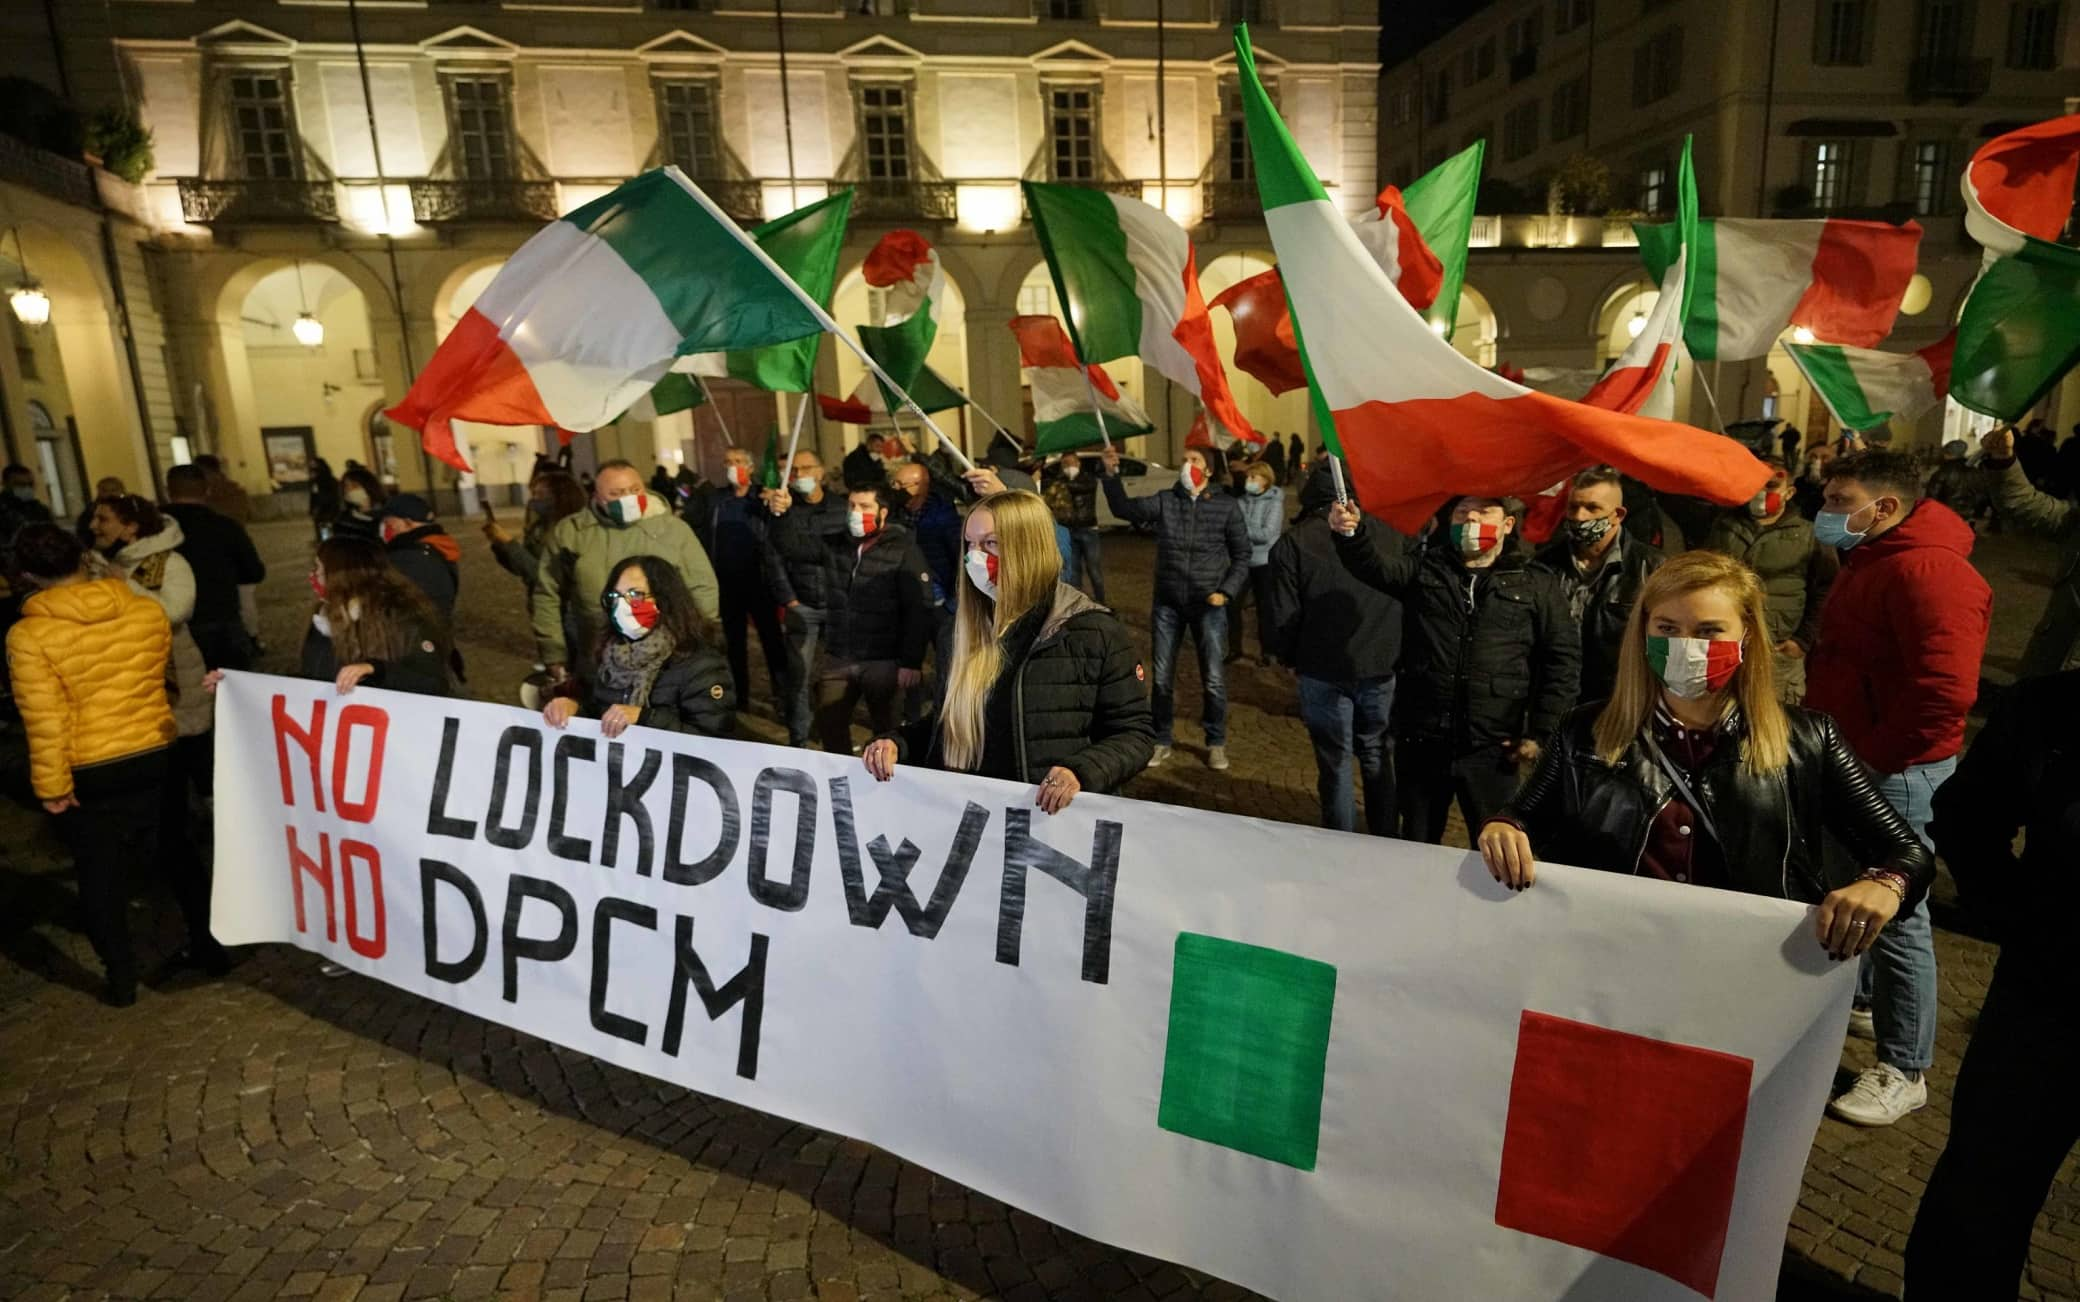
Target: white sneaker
1861	1024
1881	1095
1160	754
1217	757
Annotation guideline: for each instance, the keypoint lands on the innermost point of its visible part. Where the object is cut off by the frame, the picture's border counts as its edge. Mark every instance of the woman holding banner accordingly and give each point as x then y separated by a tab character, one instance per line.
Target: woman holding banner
1693	772
1045	685
654	667
372	625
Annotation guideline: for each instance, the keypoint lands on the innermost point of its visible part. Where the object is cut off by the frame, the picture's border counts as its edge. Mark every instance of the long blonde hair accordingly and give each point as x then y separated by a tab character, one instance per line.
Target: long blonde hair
1766	748
1028	567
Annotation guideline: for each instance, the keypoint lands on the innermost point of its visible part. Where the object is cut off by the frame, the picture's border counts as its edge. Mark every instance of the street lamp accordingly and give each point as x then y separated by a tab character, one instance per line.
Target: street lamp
309	331
1801	336
31	306
1637	325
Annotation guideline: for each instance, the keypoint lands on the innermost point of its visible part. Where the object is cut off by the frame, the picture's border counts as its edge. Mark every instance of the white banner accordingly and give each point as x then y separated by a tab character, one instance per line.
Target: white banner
1319	1065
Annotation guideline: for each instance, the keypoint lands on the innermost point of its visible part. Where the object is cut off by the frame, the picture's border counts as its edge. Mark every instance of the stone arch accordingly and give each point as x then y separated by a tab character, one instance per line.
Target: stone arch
952	352
455	289
1479	327
1621	314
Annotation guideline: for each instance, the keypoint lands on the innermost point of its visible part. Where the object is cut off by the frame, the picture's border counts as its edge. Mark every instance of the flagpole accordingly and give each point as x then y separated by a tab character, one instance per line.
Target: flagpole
709	399
1711	398
816	309
1343	494
994	422
1090	386
794	440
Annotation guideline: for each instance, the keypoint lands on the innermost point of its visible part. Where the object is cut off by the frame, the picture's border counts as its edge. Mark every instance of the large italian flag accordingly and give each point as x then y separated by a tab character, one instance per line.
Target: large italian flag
905	267
1440	205
1753	279
2019	333
1865	388
1130	285
1419	423
1062	416
591	311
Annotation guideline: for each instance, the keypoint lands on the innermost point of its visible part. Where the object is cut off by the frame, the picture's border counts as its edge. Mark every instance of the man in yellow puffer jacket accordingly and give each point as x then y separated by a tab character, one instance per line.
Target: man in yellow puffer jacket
88	661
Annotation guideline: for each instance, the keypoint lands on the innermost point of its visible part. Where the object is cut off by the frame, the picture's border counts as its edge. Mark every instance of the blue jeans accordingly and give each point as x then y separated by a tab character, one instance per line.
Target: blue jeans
1085	560
804	639
1898	977
1344	719
1209	629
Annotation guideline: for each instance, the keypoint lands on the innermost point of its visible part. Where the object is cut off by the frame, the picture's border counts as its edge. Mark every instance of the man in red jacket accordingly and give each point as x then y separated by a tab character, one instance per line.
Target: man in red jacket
1897	665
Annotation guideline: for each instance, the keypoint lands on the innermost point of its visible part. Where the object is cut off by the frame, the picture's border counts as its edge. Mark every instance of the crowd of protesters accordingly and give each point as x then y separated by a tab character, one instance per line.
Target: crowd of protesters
1780	709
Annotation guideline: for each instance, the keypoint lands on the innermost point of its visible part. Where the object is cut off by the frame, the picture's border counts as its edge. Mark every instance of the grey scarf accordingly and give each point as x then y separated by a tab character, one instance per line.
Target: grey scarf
627	669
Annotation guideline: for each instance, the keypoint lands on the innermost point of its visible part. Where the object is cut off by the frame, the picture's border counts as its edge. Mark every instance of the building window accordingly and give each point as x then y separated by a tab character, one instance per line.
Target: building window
1523	34
1570	15
1437	98
1655	193
1828	173
1478	63
1238	164
260	127
1842	33
1944	29
1935	184
1520	131
1070	10
675	6
1571	109
690	136
1657	66
884	131
1253	12
2033	34
483	134
1401	107
1072	122
1478	132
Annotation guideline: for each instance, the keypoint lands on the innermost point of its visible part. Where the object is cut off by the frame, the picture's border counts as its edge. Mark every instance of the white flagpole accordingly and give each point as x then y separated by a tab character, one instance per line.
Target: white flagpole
994	422
709	398
794	439
815	308
1343	494
1091	388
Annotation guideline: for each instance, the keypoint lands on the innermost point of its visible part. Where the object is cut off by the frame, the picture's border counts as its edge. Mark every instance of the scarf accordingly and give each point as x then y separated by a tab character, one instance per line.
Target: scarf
627	669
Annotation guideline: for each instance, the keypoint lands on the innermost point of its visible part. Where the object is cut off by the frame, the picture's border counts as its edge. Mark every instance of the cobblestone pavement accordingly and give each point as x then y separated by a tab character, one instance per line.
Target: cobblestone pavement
276	1134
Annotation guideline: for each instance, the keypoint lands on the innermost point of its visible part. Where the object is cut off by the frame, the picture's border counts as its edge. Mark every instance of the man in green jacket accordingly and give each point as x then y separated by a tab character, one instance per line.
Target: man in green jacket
2023	504
625	519
1775	541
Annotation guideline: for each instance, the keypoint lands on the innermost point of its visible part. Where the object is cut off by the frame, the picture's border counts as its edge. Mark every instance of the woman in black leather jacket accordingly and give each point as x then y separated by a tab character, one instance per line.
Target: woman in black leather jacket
1693	772
654	667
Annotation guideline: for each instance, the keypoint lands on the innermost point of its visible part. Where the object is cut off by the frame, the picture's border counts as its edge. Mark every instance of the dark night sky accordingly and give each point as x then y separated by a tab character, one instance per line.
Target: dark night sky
1408	25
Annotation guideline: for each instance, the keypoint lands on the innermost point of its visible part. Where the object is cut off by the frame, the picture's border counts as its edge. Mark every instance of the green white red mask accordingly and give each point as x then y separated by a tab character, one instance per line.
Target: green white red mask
1694	667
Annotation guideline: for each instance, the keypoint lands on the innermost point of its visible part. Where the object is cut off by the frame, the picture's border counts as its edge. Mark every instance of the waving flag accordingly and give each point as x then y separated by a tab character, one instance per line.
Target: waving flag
589	314
1753	279
1130	285
1062	417
1419	423
675	392
1395	243
1864	389
1264	344
1440	202
2020	331
805	244
906	268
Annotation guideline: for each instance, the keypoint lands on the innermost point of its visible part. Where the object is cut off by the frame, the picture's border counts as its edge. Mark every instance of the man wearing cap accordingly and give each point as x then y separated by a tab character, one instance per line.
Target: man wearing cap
422	551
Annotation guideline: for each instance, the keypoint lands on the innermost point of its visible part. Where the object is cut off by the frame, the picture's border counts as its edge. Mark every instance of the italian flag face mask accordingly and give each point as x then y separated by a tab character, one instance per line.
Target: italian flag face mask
1694	667
1475	537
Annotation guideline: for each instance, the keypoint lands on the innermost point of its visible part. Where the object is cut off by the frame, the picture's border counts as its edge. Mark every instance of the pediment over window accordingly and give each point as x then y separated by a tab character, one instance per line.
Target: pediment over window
465	41
244	37
880	49
680	45
1073	54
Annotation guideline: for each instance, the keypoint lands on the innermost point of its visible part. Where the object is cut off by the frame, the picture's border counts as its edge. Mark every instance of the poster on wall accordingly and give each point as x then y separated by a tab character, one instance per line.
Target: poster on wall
289	456
1318	1065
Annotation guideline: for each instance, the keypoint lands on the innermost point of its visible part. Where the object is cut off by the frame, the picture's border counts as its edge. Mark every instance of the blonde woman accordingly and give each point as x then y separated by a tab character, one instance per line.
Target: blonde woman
1045	684
1693	772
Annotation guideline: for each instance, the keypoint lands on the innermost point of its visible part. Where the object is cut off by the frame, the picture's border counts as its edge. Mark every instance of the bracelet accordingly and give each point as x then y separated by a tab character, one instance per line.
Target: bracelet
1889	877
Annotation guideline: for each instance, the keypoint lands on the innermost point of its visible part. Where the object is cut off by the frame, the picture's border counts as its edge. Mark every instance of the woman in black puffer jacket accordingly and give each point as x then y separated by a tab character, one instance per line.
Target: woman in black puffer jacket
654	668
1045	686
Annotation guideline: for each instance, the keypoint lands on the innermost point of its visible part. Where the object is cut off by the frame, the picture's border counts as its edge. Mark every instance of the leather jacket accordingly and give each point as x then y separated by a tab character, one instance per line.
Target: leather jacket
1772	830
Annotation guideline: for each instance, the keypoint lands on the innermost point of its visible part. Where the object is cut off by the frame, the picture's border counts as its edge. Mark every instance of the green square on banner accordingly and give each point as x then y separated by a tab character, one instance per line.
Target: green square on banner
1248	1045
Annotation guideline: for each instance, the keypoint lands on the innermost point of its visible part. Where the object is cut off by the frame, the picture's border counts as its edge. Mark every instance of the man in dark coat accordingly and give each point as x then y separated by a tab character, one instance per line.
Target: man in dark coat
221	553
1202	561
877	618
1601	568
422	551
806	517
935	524
731	523
1344	640
1491	658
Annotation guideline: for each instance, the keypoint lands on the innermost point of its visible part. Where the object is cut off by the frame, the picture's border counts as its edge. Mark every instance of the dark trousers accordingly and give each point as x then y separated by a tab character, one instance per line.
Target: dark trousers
747	598
1432	774
839	690
926	697
132	812
1208	626
1347	721
1971	1237
1253	594
804	643
1086	560
225	644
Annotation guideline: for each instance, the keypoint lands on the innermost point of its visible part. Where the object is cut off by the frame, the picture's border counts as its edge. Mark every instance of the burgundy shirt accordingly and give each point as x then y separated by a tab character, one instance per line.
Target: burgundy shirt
1679	849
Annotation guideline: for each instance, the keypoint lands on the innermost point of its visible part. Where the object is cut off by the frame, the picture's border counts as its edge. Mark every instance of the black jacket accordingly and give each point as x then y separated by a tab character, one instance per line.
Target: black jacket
878	597
1070	694
2022	772
795	547
731	530
221	553
1578	810
1202	546
418	559
692	693
423	669
1497	663
1321	619
1607	604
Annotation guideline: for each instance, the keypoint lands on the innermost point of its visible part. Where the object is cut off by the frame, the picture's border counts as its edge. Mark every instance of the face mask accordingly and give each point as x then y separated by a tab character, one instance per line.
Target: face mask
1693	667
356	497
1473	537
317	587
1071	469
537	507
805	484
1583	532
1254	487
860	523
627	510
1195	477
1831	528
739	476
632	619
390	531
24	492
1766	504
982	572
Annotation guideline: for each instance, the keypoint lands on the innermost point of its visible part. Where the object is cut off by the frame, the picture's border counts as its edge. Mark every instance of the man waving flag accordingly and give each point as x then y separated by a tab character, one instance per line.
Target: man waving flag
1419	423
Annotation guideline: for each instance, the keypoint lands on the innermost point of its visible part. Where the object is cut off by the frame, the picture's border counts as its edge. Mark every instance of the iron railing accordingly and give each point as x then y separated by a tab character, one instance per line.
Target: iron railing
438	202
744	201
901	201
1230	201
63	179
211	203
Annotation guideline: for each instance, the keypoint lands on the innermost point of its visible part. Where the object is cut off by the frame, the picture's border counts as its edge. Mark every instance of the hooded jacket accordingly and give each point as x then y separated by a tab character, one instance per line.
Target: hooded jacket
1323	620
1901	636
1202	546
155	568
431	558
88	662
583	549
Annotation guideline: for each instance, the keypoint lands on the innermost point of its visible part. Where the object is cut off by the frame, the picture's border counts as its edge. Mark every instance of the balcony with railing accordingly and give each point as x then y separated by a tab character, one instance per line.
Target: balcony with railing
261	202
437	203
1233	201
1943	77
901	201
64	179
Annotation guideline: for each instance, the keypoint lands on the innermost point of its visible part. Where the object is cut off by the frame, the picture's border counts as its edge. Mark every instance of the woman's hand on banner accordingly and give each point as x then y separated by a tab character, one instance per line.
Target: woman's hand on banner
1508	852
880	758
350	676
1850	919
559	710
617	718
211	679
1057	789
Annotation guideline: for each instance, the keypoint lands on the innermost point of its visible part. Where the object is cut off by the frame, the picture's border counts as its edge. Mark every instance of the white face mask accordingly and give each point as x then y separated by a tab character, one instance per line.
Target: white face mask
357	497
861	523
1071	469
982	571
805	484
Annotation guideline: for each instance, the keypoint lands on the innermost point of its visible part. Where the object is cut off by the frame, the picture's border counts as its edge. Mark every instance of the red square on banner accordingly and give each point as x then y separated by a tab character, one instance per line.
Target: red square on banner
1623	1145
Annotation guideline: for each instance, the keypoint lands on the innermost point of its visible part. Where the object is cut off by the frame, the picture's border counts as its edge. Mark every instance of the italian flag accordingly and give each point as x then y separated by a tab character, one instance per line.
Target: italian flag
1062	415
1390	235
1865	388
591	312
1265	349
1419	423
1130	284
1751	280
804	244
2019	333
1440	204
677	391
1642	379
1715	662
906	268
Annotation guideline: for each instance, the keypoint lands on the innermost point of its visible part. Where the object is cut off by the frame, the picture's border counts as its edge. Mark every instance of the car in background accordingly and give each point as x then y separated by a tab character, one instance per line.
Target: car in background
1140	477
